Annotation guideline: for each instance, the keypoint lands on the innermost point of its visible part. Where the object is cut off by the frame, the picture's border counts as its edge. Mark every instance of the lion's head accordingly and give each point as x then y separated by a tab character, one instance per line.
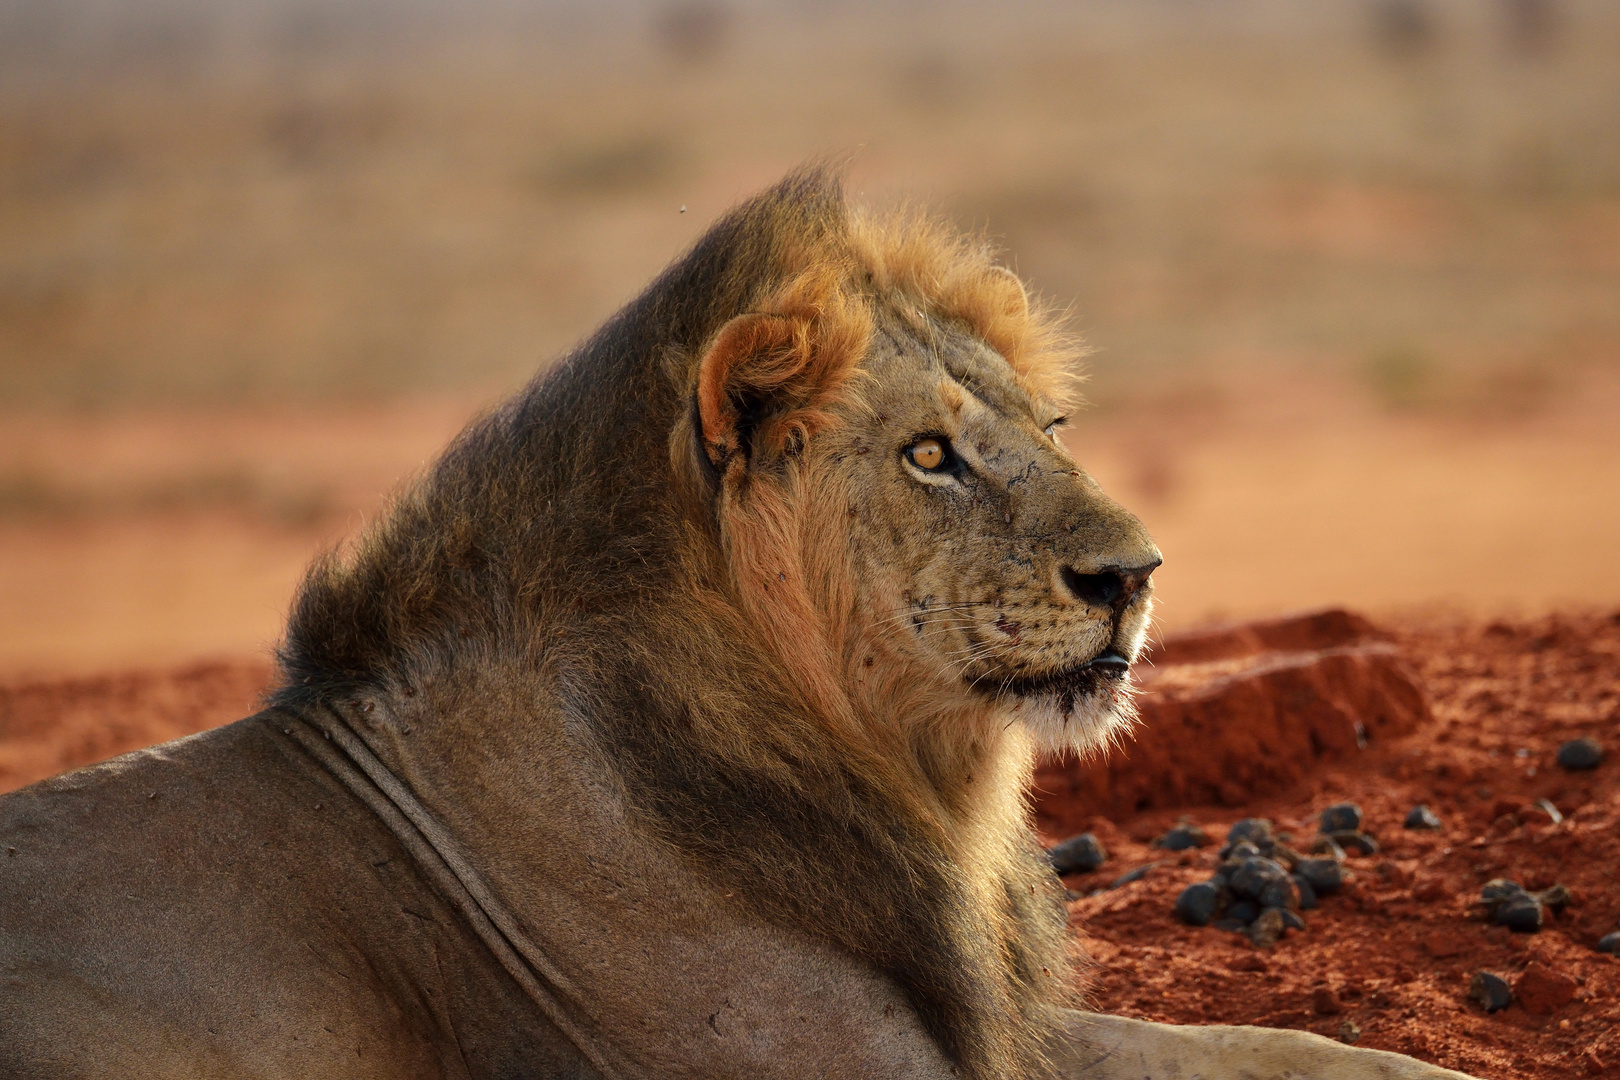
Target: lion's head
898	505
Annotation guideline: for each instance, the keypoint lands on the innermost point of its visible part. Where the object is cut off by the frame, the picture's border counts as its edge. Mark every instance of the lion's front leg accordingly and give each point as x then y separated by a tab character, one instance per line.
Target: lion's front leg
1093	1046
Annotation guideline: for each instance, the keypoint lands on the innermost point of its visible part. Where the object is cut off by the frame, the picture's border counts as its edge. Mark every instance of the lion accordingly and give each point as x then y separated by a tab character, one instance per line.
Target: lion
676	723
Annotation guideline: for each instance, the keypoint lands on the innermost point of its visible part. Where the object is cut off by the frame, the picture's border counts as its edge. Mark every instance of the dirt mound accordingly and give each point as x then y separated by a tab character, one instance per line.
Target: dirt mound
1242	711
48	726
1391	954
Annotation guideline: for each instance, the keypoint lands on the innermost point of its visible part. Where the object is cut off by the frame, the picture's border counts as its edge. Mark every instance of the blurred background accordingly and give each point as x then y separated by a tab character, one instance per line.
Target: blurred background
1350	269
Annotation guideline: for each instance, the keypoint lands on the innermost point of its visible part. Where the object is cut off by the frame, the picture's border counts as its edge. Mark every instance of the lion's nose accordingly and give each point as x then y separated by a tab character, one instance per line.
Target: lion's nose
1112	587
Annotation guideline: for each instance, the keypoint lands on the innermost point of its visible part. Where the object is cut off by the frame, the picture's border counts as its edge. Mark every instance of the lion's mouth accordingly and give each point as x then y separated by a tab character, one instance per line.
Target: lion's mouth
1100	674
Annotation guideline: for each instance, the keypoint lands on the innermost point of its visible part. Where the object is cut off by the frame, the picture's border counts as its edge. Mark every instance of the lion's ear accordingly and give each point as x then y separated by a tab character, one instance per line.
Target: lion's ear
1006	294
751	359
765	382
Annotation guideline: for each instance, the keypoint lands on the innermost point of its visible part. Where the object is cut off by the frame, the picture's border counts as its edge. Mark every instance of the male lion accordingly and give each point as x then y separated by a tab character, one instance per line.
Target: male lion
676	724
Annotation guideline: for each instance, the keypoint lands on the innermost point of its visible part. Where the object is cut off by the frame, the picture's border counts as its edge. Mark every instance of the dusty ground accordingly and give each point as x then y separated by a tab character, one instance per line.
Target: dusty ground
1393	952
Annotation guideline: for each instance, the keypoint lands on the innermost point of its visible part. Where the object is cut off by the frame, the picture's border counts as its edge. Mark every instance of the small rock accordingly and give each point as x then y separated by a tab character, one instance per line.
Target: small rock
1540	989
1197	904
1340	817
1325	1002
1421	817
1252	876
1580	754
1254	828
1324	875
1555	897
1491	991
1349	1033
1291	919
1244	911
1359	842
1267	929
1609	943
1181	838
1307	894
1243	849
1280	893
1324	845
1521	914
1077	855
1498	890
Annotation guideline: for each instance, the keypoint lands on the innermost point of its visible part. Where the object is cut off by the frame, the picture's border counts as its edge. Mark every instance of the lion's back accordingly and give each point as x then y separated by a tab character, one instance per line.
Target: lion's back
186	911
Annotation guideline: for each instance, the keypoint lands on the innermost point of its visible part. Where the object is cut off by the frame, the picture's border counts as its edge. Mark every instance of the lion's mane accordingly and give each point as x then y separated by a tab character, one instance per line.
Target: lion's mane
570	544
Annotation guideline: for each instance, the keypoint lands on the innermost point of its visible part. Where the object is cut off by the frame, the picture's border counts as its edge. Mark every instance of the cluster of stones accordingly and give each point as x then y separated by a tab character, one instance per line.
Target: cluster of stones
1509	904
1260	886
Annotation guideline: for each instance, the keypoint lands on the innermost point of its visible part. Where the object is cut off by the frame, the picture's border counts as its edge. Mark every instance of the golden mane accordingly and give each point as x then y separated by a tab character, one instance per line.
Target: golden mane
638	538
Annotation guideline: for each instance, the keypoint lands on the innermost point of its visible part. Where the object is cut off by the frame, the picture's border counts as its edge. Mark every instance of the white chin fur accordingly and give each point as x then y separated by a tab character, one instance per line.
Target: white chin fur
1095	720
1092	722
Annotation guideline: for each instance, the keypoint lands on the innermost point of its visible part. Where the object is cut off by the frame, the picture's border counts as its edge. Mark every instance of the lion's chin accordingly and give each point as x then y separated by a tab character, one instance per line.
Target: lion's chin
1080	715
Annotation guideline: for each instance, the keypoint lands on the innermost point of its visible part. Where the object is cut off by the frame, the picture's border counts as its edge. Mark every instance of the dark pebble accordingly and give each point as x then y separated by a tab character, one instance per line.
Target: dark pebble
1281	893
1324	875
1291	919
1197	904
1181	838
1491	991
1498	890
1359	842
1244	911
1307	894
1267	929
1077	855
1579	754
1252	876
1340	817
1421	817
1521	914
1252	828
1229	924
1325	845
1557	897
1243	849
1610	943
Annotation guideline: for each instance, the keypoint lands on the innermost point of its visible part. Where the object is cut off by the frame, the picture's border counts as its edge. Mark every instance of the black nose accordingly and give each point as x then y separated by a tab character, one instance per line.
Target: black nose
1111	588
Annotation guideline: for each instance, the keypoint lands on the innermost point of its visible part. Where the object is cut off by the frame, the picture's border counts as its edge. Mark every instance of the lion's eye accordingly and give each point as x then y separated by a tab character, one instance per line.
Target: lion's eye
1052	428
927	454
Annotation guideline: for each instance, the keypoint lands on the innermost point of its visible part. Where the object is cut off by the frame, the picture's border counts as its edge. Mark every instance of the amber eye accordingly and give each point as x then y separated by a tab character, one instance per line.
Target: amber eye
927	454
1052	428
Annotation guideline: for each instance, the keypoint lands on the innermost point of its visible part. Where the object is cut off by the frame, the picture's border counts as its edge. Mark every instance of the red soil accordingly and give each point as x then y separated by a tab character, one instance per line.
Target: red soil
1394	951
49	726
1255	718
